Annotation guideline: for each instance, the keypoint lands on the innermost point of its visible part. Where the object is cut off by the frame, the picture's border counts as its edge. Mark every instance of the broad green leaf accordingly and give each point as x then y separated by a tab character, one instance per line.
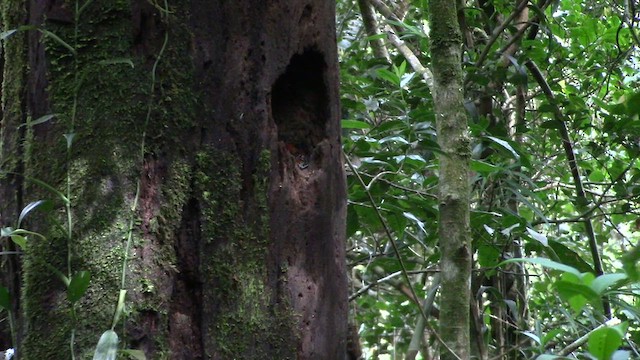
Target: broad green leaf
567	289
5	298
107	348
604	342
78	286
538	236
484	167
488	255
393	138
577	303
355	124
569	257
389	76
389	126
603	282
505	145
19	240
400	70
546	263
532	336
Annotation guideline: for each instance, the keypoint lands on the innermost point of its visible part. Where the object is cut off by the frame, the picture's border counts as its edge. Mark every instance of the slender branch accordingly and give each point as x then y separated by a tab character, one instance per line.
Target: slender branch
498	31
385	10
412	59
583	339
371	26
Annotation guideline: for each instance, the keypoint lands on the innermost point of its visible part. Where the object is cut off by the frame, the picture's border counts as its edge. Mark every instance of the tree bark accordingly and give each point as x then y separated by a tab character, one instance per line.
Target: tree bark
213	127
454	184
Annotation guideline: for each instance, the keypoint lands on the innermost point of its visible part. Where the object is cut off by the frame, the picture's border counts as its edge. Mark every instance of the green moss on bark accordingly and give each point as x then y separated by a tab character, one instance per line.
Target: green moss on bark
233	262
104	103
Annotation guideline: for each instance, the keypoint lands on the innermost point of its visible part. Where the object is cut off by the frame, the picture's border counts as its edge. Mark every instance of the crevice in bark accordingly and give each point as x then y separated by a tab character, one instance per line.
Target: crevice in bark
185	328
299	104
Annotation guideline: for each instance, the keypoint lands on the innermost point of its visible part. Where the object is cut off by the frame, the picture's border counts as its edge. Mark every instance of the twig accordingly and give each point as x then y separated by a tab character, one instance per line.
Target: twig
583	339
498	31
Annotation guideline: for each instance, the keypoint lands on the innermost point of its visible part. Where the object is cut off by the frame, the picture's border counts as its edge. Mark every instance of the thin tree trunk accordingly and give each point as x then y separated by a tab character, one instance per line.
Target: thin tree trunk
454	188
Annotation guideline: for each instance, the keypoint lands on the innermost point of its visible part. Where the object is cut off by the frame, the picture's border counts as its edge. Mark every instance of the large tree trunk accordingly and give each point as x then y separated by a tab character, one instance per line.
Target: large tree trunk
228	124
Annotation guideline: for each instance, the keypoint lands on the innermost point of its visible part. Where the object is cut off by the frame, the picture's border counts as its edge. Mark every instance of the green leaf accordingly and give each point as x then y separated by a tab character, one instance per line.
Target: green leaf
84	6
78	286
406	79
125	61
119	307
57	39
603	282
417	221
6	231
551	124
546	263
488	255
353	223
604	342
19	240
550	357
69	138
5	298
505	145
532	336
5	34
389	76
550	335
107	347
484	168
134	354
27	209
569	257
48	187
541	238
355	124
40	120
630	263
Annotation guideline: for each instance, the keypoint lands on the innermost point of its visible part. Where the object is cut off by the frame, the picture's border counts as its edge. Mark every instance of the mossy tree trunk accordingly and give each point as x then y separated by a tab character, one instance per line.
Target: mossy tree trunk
205	134
454	183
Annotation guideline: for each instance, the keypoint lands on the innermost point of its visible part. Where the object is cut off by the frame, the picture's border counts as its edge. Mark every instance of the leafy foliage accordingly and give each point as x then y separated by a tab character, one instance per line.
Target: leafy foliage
555	239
